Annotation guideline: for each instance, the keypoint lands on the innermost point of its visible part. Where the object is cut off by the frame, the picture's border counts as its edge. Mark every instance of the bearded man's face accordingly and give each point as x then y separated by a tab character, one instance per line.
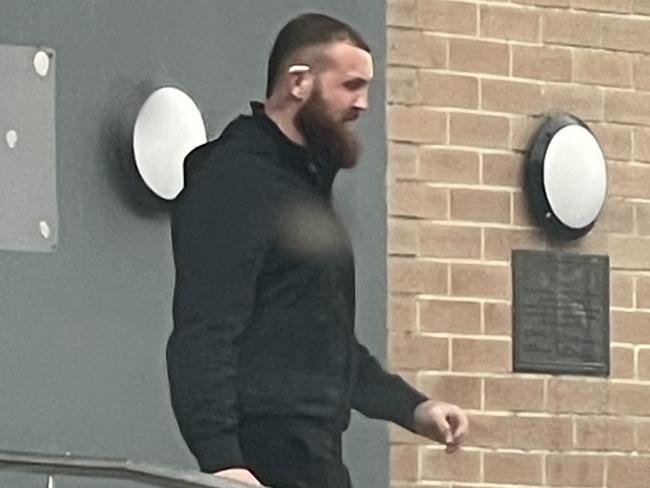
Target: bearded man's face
339	95
327	134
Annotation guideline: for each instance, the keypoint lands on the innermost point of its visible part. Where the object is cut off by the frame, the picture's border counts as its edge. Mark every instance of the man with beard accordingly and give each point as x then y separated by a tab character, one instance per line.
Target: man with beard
263	362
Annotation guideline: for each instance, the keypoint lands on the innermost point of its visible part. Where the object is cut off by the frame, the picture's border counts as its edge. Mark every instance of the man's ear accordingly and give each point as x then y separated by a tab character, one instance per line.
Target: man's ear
301	81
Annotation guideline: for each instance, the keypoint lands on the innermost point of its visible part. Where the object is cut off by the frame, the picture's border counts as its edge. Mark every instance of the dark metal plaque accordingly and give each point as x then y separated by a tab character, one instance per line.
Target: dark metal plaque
560	313
28	208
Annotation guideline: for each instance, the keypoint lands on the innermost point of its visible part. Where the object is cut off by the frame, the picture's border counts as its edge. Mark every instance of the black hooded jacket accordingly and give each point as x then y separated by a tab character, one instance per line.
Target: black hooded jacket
264	297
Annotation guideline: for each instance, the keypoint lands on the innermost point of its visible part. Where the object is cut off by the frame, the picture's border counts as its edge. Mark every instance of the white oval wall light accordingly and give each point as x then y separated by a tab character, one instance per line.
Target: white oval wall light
42	63
169	126
566	177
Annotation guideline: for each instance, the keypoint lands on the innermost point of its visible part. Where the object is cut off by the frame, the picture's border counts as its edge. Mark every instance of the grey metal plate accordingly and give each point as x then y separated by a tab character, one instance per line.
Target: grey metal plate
561	313
111	468
28	206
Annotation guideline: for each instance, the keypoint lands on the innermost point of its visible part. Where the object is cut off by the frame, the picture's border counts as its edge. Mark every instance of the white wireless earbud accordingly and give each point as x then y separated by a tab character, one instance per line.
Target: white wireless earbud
298	68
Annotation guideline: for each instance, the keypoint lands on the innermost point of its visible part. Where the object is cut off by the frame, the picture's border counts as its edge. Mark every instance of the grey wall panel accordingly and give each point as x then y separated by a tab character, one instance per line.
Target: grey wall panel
84	327
29	216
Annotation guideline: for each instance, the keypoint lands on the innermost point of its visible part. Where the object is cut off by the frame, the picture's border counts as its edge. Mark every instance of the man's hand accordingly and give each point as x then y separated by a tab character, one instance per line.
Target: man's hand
442	422
239	474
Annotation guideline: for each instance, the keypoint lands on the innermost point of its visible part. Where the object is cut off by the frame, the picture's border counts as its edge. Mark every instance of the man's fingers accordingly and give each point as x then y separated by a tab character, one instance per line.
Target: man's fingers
457	428
445	434
452	448
442	422
461	424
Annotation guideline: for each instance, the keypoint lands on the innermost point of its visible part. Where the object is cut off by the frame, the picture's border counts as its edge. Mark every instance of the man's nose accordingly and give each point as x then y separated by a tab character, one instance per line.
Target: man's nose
361	103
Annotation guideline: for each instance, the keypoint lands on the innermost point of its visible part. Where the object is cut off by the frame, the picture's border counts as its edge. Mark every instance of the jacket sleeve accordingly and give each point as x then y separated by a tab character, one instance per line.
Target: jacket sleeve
219	243
382	395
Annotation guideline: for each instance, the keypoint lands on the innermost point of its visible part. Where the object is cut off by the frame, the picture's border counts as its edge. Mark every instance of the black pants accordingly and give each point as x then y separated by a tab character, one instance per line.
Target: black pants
293	453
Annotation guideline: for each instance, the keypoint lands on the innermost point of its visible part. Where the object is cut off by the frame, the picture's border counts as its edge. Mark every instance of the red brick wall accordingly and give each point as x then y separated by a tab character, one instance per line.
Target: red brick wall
467	84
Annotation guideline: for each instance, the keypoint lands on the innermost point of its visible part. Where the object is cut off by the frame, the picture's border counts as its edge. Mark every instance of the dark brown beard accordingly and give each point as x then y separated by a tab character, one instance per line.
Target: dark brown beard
325	136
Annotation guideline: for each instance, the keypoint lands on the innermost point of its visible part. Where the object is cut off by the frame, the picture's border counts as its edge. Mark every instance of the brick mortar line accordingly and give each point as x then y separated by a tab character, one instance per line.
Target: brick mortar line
515	79
502	264
546	415
402	219
628	344
515	150
448	298
442	34
447	260
481	167
466	223
419	455
486	337
630	310
448	110
605	13
449	282
541	27
469	484
527	81
423	483
634	345
426	30
626	234
448	195
542	8
417	317
463	261
574	64
473	149
462	186
450	354
635	227
478	19
635	199
574	430
483	376
483	393
427	296
495	264
482	306
641	273
546	452
492	301
447	54
496	188
531	377
518	117
464	111
511	62
633	274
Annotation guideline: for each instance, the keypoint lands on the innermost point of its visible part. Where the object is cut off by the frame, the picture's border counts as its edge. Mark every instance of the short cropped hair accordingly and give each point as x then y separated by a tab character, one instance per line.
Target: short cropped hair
305	31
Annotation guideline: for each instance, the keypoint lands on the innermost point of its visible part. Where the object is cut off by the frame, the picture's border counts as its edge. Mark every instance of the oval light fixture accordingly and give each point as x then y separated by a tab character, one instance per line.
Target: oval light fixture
169	126
42	63
566	177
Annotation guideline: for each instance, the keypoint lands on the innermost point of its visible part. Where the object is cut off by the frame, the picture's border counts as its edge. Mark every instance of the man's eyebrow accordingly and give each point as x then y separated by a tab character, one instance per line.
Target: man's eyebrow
356	83
357	77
